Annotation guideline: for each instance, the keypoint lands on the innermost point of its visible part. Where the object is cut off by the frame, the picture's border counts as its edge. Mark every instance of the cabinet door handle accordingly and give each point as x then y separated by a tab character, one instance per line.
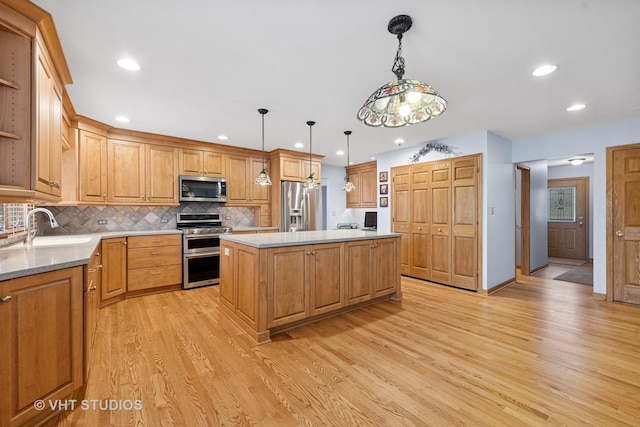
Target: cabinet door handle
619	233
6	298
156	253
93	288
439	230
97	254
92	270
99	266
155	273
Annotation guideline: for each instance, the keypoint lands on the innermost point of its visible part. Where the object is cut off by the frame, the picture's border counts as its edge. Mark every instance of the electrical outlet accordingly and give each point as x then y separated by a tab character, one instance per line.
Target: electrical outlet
164	220
102	222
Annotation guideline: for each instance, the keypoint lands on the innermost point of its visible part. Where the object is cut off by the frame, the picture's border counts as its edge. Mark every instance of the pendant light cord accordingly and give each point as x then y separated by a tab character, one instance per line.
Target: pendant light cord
262	112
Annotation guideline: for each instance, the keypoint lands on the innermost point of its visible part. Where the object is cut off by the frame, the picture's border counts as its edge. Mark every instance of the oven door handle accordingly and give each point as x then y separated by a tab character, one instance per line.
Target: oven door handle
201	255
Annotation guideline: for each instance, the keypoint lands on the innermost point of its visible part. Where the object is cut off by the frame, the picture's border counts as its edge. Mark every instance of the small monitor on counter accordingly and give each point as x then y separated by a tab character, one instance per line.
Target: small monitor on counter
371	220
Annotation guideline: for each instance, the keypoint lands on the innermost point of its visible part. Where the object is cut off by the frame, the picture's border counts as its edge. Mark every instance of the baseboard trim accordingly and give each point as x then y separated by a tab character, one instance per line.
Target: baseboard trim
499	286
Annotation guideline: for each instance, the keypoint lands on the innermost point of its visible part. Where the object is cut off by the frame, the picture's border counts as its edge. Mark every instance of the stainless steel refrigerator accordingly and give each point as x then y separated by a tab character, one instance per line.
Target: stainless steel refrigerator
302	209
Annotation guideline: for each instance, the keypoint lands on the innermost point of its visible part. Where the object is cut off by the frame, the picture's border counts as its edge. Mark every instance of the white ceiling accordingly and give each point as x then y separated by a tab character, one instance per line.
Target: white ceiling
207	66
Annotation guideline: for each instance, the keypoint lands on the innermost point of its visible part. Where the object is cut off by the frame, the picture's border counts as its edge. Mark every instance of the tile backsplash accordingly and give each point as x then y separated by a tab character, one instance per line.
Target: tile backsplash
90	219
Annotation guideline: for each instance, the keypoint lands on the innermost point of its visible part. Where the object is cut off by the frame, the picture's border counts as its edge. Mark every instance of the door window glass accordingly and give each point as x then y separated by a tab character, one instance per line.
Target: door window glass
562	204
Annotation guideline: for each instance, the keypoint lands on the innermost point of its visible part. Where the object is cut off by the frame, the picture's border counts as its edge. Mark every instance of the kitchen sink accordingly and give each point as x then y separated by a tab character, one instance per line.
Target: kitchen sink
41	241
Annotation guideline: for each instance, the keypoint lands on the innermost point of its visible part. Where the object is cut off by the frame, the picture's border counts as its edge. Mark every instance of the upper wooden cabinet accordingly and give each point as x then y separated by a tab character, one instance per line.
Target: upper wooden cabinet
47	156
202	163
31	96
141	173
241	172
294	166
92	159
365	177
15	104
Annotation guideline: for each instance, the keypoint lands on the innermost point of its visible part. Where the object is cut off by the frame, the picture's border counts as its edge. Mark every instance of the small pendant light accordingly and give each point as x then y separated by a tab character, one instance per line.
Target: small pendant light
263	177
310	183
348	185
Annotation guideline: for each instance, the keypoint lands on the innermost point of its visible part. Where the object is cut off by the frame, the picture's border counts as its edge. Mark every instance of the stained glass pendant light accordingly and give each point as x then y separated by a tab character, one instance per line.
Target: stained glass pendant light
263	177
348	185
310	183
401	102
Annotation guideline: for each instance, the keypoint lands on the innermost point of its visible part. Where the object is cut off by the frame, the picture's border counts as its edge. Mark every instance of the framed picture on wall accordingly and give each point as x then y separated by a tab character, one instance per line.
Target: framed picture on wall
384	176
384	188
384	202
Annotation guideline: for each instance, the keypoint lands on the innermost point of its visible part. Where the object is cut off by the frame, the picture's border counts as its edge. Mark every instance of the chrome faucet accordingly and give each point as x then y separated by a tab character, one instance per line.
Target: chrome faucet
27	222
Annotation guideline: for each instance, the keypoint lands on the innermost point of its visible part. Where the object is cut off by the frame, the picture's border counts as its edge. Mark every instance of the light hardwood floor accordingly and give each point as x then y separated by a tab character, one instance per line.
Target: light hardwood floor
534	353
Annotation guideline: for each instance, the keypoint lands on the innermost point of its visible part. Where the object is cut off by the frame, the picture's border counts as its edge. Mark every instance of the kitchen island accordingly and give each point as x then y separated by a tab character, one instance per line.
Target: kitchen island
276	281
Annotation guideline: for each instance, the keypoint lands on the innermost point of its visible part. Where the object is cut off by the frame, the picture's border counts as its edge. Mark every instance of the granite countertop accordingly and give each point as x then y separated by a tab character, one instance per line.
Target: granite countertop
275	240
18	260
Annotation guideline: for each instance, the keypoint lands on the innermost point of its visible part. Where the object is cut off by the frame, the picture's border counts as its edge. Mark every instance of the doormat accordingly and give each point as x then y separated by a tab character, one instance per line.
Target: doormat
582	274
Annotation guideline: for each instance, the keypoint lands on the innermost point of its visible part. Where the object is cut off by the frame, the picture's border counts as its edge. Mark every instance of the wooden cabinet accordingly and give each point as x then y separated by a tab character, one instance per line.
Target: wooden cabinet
325	273
304	281
314	167
272	289
41	321
31	104
435	207
92	158
365	177
47	155
241	172
287	285
114	270
154	262
372	269
294	166
202	163
141	173
15	103
92	281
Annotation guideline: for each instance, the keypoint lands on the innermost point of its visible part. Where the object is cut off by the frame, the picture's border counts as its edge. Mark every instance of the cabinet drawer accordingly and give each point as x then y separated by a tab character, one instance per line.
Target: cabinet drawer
154	277
154	257
155	240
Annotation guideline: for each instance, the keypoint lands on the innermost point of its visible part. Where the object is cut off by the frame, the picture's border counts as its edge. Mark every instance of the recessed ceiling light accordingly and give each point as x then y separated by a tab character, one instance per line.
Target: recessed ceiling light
543	70
373	158
399	141
223	137
123	119
129	64
340	153
576	107
298	145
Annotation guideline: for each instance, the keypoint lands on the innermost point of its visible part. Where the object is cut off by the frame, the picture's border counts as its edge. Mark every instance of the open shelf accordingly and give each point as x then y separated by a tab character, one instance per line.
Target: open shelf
7	83
9	135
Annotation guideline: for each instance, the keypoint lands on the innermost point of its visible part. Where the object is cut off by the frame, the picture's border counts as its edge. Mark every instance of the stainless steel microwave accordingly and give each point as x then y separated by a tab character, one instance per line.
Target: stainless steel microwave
202	189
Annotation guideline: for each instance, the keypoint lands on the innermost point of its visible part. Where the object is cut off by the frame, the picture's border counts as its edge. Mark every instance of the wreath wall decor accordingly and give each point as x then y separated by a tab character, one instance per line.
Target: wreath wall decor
431	146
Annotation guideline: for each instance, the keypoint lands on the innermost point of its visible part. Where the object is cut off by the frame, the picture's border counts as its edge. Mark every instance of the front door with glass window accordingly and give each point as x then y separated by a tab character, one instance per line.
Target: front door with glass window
567	217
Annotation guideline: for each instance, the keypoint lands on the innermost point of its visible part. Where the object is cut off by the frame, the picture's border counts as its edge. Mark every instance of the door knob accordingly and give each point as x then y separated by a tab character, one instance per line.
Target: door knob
619	233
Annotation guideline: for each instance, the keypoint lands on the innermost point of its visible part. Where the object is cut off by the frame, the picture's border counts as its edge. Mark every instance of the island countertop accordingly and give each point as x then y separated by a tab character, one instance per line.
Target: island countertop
276	240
